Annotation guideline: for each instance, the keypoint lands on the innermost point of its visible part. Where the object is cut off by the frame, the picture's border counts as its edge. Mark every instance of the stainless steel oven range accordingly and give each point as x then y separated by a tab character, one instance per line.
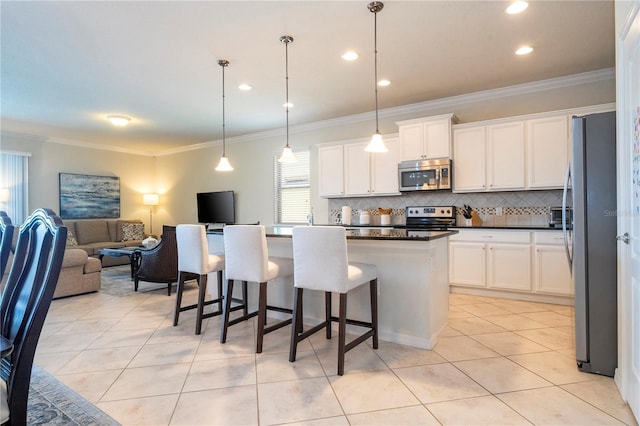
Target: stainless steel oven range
429	218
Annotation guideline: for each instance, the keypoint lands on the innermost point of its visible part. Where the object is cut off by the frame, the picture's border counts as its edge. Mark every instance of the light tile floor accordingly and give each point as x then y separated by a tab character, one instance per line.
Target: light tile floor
498	362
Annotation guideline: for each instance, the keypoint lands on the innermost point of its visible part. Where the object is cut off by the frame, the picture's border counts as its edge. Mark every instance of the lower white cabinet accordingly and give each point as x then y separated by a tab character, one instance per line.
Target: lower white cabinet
519	261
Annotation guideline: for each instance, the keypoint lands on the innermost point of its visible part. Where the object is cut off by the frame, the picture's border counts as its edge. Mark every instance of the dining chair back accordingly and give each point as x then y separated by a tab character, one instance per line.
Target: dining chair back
25	302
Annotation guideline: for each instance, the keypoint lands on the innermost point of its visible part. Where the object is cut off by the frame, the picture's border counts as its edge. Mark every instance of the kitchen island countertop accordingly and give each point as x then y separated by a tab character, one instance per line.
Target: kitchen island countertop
366	233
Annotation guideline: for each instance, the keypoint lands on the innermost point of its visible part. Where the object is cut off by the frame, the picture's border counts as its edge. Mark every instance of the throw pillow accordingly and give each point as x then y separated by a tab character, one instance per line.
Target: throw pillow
132	231
71	239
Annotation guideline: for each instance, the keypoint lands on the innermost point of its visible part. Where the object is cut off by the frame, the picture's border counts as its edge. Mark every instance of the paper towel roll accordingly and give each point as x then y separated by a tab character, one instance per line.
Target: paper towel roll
346	215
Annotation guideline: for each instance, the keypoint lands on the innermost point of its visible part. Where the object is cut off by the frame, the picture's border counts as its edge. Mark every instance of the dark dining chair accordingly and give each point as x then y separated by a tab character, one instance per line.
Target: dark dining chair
6	238
24	305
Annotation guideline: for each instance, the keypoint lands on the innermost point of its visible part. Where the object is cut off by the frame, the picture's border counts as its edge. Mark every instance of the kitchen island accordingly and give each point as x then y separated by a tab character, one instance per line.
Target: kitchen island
413	282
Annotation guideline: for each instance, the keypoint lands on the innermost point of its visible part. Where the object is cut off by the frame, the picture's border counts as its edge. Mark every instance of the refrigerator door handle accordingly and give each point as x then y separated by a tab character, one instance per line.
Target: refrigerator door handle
565	231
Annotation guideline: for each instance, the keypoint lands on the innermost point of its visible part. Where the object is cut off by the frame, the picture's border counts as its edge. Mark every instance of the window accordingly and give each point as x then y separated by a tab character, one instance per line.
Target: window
292	189
14	194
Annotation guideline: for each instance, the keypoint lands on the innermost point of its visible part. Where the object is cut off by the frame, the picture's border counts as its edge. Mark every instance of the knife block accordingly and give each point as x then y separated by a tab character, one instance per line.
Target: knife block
475	219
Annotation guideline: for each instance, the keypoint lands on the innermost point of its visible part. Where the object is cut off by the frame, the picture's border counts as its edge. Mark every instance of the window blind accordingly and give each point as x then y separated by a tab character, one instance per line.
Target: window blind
292	189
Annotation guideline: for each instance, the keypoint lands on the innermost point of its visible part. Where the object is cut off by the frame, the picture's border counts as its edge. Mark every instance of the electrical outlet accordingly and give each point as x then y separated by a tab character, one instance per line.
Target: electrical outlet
498	211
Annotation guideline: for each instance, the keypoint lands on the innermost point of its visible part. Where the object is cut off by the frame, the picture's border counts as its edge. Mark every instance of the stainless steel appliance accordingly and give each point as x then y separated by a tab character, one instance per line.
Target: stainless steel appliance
429	218
593	252
559	215
424	175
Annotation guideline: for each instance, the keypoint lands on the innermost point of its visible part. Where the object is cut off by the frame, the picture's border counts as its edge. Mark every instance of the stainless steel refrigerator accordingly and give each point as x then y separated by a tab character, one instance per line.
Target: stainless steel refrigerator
591	244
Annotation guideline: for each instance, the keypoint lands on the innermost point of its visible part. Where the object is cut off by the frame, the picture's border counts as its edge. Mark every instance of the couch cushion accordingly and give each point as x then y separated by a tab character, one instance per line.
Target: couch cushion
74	257
119	224
113	233
132	231
92	231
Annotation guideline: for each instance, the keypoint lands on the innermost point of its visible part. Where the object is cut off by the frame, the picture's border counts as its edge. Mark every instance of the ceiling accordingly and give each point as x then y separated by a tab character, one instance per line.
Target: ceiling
66	65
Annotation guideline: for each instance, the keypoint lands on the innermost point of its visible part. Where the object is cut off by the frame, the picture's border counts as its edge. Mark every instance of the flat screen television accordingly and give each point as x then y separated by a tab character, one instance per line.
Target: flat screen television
216	207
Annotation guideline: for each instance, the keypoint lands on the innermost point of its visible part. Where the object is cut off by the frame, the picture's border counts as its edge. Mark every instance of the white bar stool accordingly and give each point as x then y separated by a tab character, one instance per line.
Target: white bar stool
194	261
321	263
247	259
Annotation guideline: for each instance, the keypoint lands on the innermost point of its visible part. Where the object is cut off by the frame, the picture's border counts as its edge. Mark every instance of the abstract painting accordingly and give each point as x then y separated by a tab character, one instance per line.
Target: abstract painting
89	197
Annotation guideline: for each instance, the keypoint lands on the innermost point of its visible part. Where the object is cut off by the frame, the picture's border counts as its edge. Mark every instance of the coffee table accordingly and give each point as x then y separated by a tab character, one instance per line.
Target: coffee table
131	252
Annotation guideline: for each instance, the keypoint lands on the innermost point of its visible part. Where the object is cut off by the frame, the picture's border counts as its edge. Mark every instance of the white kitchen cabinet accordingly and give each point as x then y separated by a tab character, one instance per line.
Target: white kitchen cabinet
548	146
551	272
467	263
331	171
469	164
348	170
425	138
509	266
505	156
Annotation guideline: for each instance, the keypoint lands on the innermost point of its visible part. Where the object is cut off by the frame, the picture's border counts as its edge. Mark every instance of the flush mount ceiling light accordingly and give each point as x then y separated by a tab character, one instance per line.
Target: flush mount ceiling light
245	87
384	82
223	165
517	7
118	120
287	153
524	50
376	144
350	56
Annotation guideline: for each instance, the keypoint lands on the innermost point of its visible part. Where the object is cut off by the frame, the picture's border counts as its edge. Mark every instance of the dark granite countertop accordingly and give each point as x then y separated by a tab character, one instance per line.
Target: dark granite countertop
366	233
511	227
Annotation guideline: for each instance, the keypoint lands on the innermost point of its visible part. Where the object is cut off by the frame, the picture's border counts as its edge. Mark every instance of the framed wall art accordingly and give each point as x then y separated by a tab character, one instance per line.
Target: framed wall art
89	196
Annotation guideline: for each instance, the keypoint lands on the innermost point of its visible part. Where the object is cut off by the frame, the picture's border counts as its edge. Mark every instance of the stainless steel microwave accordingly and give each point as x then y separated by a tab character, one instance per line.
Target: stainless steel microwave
424	175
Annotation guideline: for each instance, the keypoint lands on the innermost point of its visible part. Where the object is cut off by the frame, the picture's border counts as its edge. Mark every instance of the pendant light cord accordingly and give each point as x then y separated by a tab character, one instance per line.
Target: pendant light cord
375	62
286	78
224	136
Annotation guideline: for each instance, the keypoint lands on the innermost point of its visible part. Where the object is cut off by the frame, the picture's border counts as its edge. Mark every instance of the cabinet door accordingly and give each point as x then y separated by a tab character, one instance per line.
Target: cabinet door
357	169
384	169
331	171
547	151
505	152
411	141
509	266
437	136
467	264
469	159
551	271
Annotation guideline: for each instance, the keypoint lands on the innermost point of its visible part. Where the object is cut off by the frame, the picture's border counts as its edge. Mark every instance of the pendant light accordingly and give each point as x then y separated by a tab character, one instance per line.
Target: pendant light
376	144
287	153
223	165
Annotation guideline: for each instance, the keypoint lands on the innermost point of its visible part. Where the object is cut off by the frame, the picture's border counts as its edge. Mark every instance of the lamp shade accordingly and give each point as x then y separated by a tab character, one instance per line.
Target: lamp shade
376	144
224	165
150	199
287	155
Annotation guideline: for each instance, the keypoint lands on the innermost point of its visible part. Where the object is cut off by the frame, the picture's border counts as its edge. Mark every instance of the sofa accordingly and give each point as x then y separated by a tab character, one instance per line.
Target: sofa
95	234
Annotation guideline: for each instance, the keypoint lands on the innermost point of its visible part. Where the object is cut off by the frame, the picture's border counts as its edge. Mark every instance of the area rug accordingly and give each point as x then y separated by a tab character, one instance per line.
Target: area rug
53	403
116	281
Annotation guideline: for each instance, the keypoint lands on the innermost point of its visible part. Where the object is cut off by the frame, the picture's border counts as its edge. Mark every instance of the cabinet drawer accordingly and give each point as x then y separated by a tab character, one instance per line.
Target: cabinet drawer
548	238
492	236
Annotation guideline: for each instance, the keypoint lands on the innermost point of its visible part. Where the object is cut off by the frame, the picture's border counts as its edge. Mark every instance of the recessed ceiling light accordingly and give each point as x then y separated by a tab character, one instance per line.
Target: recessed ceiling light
384	82
524	50
289	105
245	86
118	120
350	56
517	7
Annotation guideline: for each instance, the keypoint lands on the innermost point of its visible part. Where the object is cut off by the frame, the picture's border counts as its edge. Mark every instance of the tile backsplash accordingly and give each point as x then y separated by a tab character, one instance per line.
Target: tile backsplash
518	207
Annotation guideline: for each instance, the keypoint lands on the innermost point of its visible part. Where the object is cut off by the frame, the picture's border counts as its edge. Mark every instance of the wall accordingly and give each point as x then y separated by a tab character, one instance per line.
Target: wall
178	176
136	172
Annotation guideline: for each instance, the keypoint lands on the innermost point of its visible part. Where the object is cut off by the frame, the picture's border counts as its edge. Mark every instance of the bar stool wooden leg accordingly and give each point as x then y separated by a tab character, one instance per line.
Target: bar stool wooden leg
176	314
245	309
202	291
295	327
262	315
220	295
227	311
327	312
342	332
373	287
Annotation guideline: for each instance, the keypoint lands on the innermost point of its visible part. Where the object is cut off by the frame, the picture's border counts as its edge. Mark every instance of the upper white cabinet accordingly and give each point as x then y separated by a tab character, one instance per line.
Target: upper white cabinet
426	138
548	145
331	171
349	171
505	156
469	163
511	155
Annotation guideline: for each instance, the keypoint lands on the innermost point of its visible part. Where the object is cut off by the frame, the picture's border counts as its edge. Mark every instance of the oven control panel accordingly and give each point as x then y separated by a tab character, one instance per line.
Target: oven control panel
430	211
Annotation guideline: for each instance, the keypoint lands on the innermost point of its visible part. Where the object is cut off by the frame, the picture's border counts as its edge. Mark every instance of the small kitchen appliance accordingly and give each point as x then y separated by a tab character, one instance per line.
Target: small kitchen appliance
431	218
556	217
424	175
